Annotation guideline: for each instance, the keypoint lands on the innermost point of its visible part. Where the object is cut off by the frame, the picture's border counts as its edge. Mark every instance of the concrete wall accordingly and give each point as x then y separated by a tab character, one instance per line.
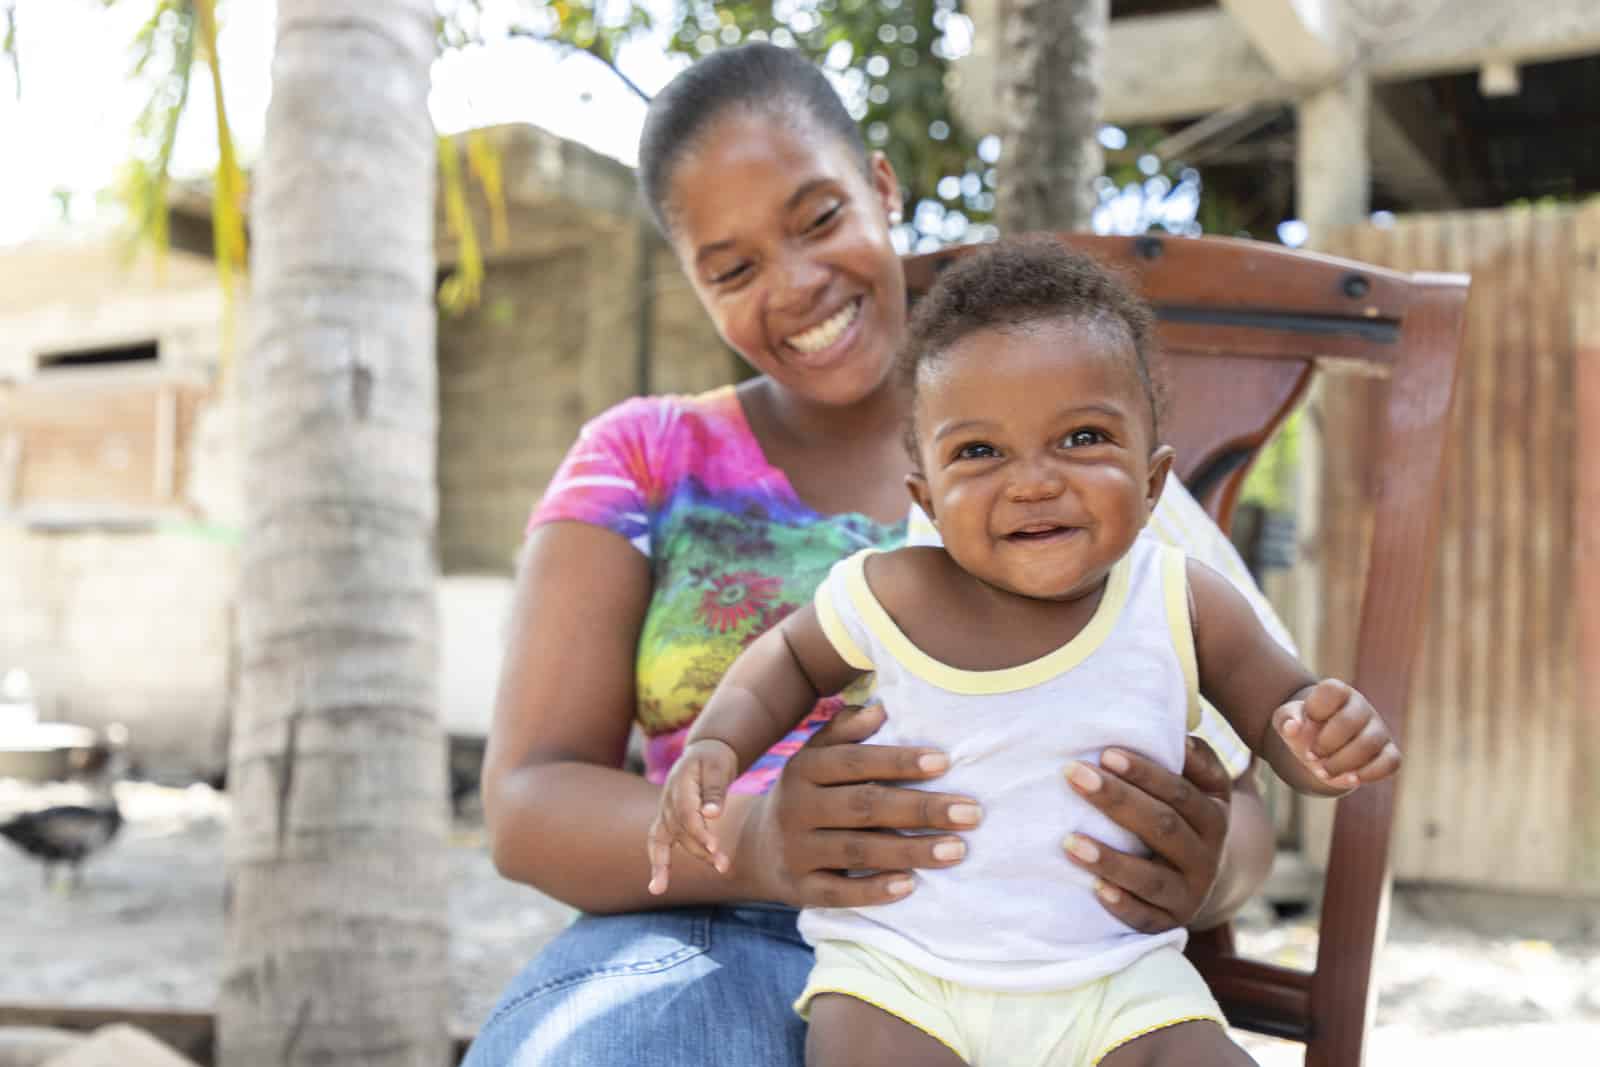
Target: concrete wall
123	616
127	618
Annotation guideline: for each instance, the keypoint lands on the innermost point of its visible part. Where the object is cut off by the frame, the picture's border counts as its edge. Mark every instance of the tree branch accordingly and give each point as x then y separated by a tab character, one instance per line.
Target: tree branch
592	51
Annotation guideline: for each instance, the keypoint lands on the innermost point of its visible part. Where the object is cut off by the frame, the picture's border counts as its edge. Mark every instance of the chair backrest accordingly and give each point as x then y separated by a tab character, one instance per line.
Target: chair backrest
1243	327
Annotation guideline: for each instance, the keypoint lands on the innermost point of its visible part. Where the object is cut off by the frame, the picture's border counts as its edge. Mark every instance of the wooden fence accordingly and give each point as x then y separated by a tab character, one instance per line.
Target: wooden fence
1499	789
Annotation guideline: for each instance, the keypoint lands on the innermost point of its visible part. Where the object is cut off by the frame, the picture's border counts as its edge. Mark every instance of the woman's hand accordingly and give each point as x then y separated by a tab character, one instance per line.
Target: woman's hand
1182	820
826	813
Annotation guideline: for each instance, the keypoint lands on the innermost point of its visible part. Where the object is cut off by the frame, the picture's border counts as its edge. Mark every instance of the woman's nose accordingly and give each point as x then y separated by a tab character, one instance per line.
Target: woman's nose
800	281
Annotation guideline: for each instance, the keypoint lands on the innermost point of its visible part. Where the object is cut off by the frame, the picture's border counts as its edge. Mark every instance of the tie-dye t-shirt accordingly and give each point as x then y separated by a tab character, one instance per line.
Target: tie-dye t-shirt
732	548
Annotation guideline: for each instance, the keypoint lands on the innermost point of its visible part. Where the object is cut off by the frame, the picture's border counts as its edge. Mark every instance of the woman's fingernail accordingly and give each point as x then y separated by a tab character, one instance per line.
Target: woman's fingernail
1084	777
1115	761
965	814
933	762
899	887
946	851
1083	848
1108	893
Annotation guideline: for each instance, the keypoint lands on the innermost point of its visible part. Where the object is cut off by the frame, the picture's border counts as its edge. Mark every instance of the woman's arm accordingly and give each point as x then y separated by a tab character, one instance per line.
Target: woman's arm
563	817
561	813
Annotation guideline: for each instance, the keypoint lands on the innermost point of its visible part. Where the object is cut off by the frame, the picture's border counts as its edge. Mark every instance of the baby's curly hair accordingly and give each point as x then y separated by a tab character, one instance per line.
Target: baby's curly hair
1023	280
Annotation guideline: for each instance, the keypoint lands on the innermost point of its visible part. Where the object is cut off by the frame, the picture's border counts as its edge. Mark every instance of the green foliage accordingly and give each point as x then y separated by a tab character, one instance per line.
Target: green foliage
178	35
890	58
8	46
1271	482
164	52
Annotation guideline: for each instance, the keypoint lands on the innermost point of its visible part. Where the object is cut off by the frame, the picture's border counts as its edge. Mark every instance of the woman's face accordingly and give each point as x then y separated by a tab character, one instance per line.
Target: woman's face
787	243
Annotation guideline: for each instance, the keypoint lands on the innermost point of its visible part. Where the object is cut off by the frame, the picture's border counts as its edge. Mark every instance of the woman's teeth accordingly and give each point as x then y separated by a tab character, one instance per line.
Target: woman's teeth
826	333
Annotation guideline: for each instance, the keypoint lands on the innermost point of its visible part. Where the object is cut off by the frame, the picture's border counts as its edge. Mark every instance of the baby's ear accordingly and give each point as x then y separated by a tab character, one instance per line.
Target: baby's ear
917	486
1161	461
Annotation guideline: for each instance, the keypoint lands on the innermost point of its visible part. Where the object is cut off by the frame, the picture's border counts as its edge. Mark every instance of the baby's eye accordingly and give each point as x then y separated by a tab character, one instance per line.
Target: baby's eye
1085	438
976	450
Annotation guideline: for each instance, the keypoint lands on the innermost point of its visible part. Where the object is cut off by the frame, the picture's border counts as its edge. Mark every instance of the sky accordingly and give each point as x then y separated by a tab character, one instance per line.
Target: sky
72	127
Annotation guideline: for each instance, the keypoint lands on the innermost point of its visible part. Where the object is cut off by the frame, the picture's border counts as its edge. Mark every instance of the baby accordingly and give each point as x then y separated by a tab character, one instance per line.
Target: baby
1047	628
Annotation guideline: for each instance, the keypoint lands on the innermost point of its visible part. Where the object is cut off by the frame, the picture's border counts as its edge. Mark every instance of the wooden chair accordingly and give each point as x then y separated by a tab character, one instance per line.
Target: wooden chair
1243	326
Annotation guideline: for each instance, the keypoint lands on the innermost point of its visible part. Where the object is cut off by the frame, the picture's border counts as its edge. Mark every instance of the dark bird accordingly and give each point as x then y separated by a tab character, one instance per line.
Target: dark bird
67	833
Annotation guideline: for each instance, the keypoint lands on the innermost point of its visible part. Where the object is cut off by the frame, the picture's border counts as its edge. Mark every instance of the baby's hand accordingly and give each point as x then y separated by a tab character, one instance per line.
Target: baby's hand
694	795
1338	735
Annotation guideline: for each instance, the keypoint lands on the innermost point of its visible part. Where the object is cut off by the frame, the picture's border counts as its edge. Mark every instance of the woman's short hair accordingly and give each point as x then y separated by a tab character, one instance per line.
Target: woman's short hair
757	76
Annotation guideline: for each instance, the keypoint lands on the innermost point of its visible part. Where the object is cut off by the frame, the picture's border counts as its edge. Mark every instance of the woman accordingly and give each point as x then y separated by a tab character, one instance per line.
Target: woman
680	528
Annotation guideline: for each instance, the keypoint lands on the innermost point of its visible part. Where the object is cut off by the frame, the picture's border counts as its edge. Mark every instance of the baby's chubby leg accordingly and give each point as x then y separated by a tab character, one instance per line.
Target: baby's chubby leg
846	1032
1192	1044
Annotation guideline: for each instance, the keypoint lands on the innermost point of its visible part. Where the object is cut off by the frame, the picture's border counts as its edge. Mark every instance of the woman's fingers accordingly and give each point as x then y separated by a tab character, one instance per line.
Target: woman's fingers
1142	797
1180	819
1137	913
1203	769
852	723
827	889
1156	886
837	763
863	850
886	807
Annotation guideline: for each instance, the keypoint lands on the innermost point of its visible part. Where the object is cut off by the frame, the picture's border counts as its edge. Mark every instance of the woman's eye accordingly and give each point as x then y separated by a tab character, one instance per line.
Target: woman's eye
732	274
1085	438
976	451
826	217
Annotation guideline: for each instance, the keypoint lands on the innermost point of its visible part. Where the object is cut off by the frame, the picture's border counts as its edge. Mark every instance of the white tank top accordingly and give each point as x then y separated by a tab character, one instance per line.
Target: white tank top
1016	914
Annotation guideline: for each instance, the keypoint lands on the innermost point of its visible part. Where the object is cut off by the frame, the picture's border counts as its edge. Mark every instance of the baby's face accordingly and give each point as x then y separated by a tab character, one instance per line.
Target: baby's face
1039	464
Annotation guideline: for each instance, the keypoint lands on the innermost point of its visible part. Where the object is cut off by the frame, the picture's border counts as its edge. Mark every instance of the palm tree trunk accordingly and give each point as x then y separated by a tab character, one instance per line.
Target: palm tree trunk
1051	100
337	944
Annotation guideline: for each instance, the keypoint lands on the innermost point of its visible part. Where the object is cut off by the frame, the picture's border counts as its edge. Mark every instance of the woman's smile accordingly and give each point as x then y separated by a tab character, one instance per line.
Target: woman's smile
825	342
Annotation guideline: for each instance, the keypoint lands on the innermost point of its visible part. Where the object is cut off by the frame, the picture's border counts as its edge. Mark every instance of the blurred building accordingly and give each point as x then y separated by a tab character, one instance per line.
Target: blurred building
119	494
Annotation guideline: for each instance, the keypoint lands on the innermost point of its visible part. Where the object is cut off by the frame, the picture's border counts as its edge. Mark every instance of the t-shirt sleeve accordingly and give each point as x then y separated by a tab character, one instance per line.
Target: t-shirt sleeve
607	477
836	612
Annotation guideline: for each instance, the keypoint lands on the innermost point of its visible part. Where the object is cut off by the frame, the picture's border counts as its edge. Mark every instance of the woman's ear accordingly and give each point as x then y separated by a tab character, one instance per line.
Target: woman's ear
917	486
886	184
1161	461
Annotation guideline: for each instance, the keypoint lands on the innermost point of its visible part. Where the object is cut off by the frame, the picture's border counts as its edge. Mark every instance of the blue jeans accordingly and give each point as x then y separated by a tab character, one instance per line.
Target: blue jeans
687	986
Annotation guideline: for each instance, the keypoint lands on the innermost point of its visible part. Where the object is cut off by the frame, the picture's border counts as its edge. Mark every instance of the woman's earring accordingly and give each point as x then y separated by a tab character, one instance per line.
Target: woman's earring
894	217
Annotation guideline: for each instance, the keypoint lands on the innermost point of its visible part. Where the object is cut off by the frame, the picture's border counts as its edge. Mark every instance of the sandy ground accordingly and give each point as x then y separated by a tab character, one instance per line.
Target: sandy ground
145	929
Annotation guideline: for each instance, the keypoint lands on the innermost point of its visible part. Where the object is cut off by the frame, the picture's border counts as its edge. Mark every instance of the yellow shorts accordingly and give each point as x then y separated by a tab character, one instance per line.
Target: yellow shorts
1070	1028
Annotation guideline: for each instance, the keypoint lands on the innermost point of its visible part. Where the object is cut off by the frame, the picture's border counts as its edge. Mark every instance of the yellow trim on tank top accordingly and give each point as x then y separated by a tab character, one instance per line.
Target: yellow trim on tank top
1175	588
834	630
986	683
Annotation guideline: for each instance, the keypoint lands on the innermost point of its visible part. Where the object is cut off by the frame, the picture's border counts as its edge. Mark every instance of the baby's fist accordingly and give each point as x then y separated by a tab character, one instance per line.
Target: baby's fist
1338	735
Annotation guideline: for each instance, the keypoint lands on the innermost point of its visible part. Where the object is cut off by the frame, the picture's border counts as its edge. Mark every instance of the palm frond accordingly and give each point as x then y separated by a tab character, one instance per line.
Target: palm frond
459	292
228	196
483	159
8	46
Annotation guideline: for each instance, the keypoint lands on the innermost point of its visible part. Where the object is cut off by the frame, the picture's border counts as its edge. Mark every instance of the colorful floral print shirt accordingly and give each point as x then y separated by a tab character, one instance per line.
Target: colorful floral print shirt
732	548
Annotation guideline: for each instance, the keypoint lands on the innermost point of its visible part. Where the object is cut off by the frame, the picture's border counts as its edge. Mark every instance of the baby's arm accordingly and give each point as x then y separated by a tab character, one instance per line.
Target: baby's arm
1320	737
765	694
